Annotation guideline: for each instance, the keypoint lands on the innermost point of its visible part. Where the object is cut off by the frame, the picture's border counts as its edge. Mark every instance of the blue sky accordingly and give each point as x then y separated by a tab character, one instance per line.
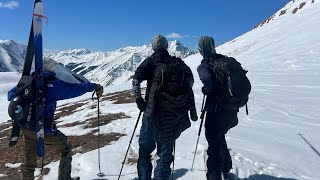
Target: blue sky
103	25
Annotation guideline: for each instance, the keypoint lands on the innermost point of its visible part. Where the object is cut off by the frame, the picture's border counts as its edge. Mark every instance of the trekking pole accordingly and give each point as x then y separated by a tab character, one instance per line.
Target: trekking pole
134	130
174	157
202	118
100	174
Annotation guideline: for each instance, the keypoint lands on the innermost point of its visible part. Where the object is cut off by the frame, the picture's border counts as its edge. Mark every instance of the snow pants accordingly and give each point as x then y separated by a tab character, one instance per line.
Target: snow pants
147	145
58	141
217	125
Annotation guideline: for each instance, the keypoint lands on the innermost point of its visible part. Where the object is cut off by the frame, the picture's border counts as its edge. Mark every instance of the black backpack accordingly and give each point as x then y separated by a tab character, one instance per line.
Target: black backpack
22	105
233	85
171	77
168	101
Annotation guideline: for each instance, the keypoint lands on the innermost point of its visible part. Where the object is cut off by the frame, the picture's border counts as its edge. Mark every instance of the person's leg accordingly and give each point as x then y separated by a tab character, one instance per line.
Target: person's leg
231	120
163	170
30	161
215	162
146	147
215	138
217	125
61	143
227	163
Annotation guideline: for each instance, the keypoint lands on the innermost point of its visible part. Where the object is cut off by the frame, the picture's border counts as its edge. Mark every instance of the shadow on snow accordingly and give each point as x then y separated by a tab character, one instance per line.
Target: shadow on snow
265	177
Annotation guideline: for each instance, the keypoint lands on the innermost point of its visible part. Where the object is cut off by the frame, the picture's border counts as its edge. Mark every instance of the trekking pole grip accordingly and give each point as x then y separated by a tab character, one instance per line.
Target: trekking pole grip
92	97
203	111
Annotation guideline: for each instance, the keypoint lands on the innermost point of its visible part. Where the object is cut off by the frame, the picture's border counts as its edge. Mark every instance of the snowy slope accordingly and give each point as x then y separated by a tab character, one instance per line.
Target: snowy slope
284	69
12	56
8	80
114	67
283	61
282	57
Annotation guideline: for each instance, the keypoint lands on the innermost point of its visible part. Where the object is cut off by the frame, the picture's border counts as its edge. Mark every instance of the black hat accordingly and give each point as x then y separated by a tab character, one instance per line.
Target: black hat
159	42
206	46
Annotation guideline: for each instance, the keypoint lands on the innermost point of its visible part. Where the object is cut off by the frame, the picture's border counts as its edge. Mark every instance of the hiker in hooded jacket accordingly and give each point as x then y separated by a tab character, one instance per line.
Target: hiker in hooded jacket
55	90
221	112
168	101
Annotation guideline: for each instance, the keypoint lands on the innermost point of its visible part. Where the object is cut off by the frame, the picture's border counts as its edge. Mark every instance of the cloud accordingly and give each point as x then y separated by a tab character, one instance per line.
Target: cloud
9	5
176	36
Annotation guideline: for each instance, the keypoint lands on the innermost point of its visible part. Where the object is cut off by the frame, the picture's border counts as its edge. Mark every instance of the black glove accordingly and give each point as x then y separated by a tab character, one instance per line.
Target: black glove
141	103
99	90
205	90
193	114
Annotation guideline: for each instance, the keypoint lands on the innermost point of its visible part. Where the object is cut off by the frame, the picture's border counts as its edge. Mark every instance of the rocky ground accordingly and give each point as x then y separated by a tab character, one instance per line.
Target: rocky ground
10	158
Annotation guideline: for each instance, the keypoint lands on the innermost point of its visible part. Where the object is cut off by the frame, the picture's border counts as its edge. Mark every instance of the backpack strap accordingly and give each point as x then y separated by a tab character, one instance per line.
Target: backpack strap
161	77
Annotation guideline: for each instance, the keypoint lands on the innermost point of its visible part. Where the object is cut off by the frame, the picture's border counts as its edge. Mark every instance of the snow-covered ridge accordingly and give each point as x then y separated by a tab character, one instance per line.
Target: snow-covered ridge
12	56
292	8
113	67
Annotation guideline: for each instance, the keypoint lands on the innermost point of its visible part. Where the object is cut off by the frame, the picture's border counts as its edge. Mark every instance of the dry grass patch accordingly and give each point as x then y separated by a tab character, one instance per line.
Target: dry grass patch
67	110
105	119
80	144
122	97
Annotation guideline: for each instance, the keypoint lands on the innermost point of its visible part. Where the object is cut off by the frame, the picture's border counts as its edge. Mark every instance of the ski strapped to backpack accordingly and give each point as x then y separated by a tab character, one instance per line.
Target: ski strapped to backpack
29	99
233	85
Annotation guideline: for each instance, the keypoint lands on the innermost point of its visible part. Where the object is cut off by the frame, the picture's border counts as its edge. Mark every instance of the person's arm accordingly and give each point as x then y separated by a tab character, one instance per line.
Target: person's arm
11	93
144	70
62	90
206	78
189	75
142	73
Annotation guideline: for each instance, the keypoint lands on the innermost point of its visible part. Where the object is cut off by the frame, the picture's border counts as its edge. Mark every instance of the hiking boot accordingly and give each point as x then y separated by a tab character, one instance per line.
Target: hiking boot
214	175
226	176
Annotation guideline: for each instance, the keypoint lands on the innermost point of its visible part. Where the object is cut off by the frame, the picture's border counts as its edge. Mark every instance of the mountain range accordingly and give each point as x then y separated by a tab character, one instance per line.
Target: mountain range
113	67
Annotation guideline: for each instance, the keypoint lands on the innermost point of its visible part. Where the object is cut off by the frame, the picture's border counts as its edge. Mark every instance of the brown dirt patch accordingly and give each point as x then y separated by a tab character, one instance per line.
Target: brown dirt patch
282	12
72	124
9	155
302	5
91	141
105	119
93	122
132	160
266	21
122	97
295	10
80	144
67	110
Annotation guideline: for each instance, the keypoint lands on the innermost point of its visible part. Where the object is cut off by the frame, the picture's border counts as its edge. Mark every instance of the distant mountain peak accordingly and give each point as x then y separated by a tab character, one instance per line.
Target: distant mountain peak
12	56
7	42
77	52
